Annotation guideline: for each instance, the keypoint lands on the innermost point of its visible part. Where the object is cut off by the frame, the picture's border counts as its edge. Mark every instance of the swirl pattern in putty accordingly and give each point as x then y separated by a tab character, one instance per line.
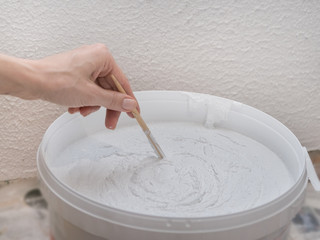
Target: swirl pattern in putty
207	172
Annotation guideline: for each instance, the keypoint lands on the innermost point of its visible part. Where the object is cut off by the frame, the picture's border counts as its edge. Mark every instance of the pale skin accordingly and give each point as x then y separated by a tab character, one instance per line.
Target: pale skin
79	79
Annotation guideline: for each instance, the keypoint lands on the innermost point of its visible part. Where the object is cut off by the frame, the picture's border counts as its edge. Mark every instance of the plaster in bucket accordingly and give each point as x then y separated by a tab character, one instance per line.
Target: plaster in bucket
207	172
231	172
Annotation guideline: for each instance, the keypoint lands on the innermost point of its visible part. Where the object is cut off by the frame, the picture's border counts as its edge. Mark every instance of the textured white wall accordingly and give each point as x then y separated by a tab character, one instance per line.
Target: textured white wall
263	53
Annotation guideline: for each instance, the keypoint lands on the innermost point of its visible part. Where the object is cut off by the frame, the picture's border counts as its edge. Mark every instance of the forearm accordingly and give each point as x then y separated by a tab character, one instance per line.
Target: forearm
18	77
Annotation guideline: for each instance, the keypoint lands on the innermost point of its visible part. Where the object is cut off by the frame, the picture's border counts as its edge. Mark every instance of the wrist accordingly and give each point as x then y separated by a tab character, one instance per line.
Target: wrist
18	77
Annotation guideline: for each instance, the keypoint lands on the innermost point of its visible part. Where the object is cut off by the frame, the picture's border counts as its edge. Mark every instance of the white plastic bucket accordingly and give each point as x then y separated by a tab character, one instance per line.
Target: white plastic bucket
74	216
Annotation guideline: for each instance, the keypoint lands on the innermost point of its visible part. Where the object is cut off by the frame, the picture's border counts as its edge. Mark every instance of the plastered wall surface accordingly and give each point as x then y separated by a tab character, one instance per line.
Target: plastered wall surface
262	53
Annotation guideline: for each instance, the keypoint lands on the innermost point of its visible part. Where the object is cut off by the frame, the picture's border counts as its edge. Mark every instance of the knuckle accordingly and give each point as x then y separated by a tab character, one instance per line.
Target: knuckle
100	47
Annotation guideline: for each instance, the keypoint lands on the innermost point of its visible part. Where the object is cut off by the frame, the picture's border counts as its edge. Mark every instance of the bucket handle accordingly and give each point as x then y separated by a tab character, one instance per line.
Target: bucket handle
312	175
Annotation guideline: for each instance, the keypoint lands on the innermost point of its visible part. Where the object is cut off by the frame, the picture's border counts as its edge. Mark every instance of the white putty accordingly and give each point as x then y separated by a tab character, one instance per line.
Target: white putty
207	172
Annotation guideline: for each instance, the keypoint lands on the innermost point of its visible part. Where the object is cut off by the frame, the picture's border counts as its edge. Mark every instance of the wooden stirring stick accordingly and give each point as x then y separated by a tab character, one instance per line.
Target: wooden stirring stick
141	122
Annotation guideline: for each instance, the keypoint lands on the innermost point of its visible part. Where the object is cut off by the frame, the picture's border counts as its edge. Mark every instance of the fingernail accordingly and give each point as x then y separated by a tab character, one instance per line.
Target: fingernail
110	127
129	104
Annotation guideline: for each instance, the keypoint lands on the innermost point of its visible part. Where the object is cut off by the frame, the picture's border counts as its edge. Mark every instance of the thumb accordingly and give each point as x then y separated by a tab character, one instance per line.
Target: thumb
115	100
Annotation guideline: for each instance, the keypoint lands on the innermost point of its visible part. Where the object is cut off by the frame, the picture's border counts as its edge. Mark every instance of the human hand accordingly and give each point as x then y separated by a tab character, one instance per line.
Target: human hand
80	79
